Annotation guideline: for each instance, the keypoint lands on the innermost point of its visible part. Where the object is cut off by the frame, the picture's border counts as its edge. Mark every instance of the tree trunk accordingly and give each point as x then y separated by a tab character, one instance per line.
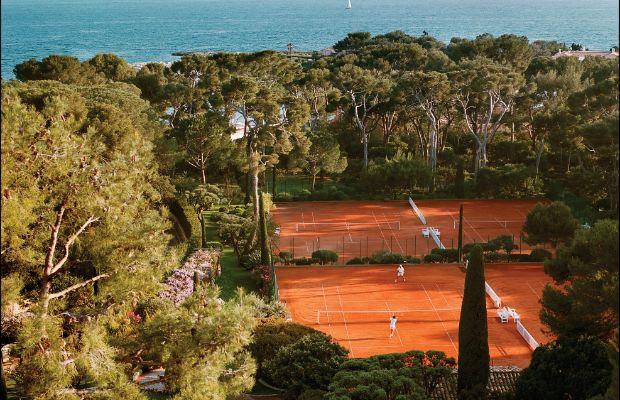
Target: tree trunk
365	142
204	176
255	198
539	155
313	180
45	293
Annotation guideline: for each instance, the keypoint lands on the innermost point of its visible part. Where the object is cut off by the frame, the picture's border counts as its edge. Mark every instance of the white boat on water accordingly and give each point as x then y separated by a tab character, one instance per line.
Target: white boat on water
348	7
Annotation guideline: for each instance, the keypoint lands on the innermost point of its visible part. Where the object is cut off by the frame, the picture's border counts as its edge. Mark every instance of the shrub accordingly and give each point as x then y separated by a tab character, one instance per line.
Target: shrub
325	256
446	255
539	255
433	258
251	260
329	193
214	245
385	257
494	256
304	261
578	368
358	261
413	260
284	196
271	335
286	257
303	194
309	363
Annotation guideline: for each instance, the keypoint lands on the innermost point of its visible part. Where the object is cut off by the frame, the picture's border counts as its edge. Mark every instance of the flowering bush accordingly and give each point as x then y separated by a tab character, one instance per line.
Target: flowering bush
180	285
205	262
263	273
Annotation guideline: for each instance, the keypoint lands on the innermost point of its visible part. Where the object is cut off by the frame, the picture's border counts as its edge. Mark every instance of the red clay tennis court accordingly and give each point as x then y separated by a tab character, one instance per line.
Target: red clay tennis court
354	304
359	228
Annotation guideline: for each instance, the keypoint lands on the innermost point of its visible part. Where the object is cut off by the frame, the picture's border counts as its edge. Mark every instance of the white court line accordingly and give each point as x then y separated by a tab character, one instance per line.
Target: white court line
500	224
380	230
444	297
396	329
345	322
532	289
325	301
393	235
440	320
474	229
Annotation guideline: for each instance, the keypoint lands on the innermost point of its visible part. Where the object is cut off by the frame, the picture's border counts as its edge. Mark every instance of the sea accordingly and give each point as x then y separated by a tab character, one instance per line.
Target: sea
151	30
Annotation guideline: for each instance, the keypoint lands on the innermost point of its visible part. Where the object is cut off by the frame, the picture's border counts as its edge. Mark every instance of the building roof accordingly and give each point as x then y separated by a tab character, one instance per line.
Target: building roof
501	380
581	54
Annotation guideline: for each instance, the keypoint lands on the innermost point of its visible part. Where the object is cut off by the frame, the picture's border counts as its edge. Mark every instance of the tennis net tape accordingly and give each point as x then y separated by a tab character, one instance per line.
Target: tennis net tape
436	238
327	316
346	226
494	297
417	211
527	336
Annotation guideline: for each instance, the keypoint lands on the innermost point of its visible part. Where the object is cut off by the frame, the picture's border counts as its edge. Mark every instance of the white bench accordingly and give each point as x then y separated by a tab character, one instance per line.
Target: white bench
513	313
503	315
426	232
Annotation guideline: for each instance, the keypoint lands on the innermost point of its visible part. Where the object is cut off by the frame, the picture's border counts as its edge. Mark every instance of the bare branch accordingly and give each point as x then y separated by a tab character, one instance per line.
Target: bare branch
77	286
49	258
70	242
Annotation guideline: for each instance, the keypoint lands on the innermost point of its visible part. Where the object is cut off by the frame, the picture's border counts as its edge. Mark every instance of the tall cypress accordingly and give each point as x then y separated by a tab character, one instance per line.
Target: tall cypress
265	255
460	242
473	364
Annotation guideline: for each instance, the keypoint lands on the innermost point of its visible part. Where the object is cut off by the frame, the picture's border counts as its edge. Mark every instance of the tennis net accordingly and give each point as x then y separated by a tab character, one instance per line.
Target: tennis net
346	226
494	297
351	316
417	211
527	336
488	223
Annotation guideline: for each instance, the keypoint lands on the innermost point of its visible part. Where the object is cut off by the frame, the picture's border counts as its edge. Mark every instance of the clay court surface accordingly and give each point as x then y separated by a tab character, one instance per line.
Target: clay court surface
359	229
354	304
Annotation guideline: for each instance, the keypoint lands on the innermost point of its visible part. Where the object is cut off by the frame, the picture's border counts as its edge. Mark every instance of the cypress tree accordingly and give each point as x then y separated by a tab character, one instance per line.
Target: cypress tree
473	364
460	242
265	256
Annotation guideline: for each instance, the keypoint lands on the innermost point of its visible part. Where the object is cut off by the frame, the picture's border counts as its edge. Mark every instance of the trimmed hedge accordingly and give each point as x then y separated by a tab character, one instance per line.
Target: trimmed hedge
539	254
325	256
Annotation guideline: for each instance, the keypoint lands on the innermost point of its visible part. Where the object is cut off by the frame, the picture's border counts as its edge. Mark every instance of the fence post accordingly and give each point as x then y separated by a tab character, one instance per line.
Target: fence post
318	240
452	241
520	243
367	246
415	246
406	247
360	249
293	246
343	248
391	248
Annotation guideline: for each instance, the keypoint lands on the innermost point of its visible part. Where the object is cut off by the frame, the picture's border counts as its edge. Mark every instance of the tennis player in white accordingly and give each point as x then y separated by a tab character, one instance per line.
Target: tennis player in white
392	325
400	273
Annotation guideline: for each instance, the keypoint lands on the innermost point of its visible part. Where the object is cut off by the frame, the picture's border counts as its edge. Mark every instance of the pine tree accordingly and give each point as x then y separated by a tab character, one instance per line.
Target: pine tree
473	364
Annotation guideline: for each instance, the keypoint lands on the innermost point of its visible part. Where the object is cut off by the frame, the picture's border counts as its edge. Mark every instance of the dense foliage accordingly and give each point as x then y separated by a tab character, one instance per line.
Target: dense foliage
577	368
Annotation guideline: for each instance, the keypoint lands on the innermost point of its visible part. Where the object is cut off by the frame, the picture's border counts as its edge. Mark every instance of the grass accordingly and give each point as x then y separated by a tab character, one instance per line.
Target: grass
233	276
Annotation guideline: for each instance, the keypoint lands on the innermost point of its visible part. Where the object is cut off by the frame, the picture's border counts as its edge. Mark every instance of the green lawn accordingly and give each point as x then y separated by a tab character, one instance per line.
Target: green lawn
233	276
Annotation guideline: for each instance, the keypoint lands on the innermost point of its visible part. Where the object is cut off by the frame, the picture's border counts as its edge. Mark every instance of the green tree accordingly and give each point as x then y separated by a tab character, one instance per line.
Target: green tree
553	223
410	375
364	90
310	362
578	368
65	69
485	92
202	345
206	140
112	67
587	304
323	156
473	363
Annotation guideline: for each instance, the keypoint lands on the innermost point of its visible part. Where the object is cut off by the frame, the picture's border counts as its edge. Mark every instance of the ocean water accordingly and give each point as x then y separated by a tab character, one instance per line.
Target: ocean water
150	30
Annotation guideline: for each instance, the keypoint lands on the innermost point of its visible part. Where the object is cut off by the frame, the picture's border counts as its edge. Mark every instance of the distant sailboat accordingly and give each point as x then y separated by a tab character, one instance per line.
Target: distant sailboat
348	7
